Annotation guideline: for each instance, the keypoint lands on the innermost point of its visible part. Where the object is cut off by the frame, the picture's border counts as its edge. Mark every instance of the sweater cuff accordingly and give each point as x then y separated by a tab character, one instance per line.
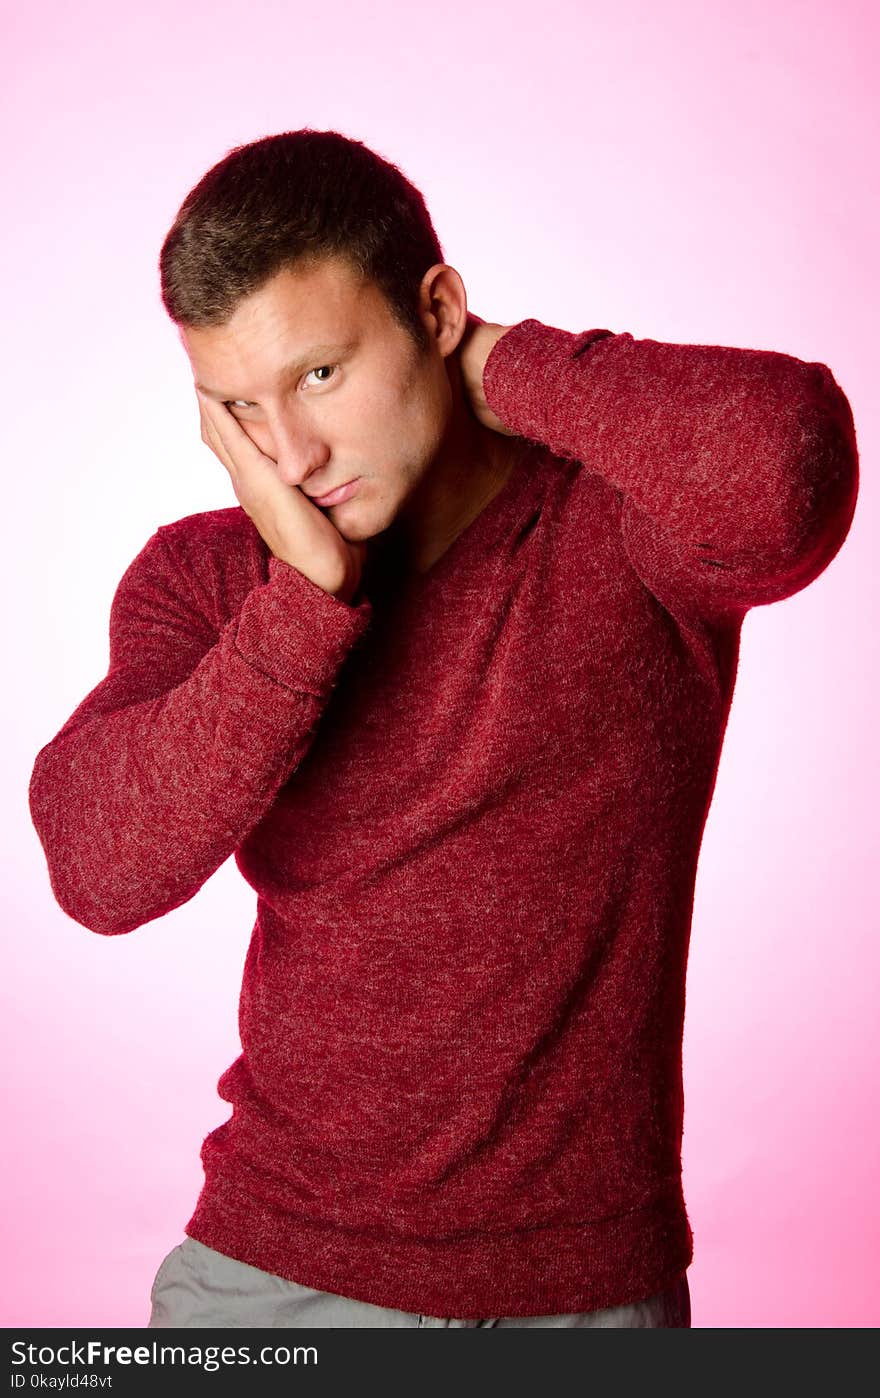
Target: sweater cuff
295	632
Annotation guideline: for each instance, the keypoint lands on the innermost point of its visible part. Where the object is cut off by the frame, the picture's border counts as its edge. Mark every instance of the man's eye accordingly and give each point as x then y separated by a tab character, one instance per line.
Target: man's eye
326	369
330	368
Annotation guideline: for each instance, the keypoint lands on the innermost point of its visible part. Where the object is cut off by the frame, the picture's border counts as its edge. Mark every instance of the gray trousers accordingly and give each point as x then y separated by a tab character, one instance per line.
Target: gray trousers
196	1286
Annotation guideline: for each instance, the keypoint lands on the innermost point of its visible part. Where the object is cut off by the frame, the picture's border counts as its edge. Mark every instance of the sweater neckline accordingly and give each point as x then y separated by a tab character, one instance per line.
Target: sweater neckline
480	537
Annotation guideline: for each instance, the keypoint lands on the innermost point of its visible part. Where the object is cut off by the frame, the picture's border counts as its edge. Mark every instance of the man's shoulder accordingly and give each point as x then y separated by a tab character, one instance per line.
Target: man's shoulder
228	526
226	538
220	554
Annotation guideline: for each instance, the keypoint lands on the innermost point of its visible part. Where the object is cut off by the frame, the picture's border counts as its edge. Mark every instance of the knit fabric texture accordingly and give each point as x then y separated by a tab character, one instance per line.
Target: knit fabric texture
471	804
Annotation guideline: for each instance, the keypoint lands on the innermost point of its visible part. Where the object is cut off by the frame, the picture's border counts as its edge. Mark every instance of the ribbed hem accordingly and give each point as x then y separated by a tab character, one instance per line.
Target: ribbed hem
525	1272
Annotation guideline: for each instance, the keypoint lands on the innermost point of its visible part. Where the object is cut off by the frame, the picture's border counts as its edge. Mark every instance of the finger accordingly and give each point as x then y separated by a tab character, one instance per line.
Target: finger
226	426
230	432
211	433
253	473
204	427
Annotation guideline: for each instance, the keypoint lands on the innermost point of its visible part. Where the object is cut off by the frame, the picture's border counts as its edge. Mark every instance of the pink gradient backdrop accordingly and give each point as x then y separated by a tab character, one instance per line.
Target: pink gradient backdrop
686	172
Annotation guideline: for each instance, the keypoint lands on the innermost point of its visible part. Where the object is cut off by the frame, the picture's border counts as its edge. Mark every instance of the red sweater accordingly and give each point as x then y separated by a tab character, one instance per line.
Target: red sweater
471	805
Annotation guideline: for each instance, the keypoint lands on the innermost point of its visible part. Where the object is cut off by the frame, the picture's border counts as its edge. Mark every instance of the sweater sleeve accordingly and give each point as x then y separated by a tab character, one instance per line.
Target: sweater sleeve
168	763
737	469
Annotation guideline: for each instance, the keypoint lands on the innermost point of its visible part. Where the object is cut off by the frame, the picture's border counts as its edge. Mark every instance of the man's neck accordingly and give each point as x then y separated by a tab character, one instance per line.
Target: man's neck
474	464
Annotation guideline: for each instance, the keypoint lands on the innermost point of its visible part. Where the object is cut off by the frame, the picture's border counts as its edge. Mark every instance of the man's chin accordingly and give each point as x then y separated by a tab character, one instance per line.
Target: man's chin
356	531
359	526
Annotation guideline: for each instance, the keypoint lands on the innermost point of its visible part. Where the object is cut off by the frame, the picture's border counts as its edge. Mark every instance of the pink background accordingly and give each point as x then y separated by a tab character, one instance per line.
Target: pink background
687	172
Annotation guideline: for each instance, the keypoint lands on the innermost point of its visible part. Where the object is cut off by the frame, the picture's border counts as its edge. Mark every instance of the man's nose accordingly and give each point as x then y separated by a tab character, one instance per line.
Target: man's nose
297	451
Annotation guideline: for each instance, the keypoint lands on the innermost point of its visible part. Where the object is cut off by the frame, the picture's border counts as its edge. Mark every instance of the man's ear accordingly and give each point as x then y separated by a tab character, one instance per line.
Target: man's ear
443	306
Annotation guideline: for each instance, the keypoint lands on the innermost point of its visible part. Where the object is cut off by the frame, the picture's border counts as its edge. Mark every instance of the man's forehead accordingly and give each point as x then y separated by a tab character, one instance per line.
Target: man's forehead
312	304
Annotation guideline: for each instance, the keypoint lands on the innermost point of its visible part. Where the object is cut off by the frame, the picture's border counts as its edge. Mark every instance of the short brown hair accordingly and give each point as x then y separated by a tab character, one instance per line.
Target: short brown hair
296	197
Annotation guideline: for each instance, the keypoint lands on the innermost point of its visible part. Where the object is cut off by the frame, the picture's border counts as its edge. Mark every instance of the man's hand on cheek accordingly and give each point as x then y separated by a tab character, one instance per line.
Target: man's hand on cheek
295	529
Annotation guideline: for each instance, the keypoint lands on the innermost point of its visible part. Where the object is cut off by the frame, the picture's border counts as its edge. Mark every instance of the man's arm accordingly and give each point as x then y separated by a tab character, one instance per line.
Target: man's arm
169	762
737	468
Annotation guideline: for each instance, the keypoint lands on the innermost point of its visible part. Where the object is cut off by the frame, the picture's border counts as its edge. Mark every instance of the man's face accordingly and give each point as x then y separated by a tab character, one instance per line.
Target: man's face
327	384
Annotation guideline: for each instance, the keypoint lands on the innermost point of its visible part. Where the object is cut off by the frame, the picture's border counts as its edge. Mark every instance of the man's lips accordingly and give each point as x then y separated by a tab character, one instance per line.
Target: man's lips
335	497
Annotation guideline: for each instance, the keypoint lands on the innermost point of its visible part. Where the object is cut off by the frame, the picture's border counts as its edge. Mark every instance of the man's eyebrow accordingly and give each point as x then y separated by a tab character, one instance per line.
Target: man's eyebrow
306	360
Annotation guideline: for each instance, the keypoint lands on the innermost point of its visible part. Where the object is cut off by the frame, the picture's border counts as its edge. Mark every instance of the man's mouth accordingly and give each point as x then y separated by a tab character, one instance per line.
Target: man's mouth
336	497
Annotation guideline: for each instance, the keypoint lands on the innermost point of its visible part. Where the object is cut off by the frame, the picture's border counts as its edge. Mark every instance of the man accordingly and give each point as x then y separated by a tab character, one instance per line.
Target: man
451	685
